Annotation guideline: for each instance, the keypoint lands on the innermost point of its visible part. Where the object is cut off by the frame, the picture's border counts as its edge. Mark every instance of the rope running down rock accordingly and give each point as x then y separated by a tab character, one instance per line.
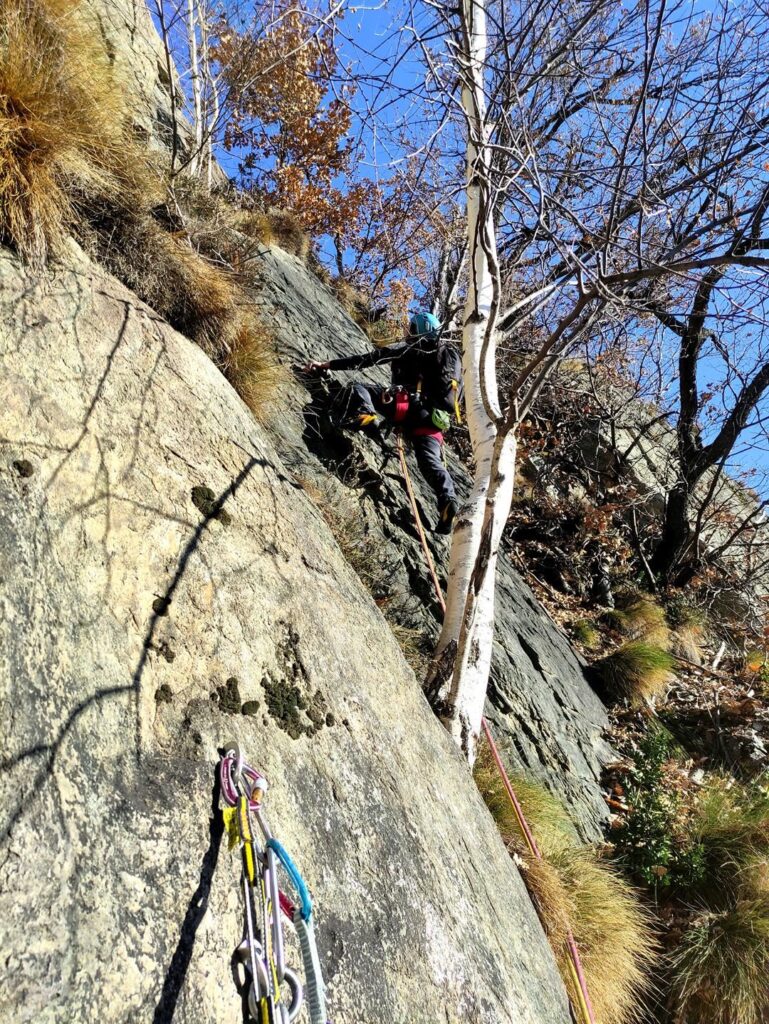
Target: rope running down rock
575	963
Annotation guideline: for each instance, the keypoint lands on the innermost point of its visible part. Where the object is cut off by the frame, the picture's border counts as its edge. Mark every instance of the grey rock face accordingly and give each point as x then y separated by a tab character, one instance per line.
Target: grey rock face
141	67
543	709
137	622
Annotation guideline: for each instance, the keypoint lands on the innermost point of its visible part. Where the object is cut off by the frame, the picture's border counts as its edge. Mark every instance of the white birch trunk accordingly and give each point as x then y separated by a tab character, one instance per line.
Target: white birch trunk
192	45
465	644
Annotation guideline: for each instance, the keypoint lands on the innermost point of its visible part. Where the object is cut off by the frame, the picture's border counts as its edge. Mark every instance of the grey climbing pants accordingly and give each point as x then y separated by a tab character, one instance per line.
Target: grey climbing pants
428	447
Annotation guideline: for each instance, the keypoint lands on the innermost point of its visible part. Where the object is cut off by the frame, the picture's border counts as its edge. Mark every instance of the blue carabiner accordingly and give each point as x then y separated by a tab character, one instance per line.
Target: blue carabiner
293	873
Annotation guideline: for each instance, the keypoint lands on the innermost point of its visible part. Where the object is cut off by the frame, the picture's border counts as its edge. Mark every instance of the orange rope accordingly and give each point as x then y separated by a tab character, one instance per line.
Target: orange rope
578	975
418	521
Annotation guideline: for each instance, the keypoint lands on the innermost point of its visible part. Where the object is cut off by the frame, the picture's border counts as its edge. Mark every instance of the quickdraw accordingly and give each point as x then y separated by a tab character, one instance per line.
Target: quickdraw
275	993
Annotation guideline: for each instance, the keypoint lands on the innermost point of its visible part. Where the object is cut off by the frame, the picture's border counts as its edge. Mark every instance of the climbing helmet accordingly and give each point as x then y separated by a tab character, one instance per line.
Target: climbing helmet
423	325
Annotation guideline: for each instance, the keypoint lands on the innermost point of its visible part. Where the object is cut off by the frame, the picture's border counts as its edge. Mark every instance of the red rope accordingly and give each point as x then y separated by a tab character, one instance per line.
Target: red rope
576	962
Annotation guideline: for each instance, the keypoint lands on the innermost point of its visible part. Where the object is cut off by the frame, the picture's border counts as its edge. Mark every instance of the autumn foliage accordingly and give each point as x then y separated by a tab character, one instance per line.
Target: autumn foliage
285	121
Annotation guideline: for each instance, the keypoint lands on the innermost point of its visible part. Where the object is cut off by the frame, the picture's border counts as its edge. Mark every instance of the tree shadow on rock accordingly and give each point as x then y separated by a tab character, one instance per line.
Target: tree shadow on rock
196	910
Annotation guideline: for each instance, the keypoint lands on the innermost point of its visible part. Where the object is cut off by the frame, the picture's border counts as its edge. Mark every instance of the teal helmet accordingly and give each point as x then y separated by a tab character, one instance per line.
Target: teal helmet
424	325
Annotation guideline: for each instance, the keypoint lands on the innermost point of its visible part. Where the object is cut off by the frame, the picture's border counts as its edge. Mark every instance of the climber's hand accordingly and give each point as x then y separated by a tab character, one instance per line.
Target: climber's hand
312	369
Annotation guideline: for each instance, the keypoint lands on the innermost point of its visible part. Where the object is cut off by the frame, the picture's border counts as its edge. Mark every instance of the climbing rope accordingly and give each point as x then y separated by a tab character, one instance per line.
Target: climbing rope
575	963
418	521
262	949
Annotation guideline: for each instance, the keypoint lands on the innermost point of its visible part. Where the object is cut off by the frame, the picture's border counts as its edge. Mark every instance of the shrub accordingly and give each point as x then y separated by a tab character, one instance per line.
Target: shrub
383	332
636	672
721	967
680	613
755	660
652	844
574	891
63	136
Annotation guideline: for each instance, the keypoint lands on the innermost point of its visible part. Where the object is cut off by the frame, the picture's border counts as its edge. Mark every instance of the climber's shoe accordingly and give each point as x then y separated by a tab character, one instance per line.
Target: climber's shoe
367	422
447	516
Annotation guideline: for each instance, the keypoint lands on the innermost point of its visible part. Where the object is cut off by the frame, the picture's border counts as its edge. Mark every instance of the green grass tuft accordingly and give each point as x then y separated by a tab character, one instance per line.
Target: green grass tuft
730	822
586	633
721	968
636	672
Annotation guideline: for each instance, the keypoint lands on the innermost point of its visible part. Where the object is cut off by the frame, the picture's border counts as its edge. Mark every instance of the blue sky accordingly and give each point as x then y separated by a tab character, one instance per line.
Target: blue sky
380	51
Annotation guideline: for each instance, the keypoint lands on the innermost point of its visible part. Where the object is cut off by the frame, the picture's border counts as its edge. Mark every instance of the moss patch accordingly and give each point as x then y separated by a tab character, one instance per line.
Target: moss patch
164	694
291	709
204	499
228	696
283	703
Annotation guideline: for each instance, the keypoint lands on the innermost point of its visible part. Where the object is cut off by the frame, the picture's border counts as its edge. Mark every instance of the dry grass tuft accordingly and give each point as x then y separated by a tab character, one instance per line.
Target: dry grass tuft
194	296
412	643
252	367
552	901
574	891
371	560
687	644
275	227
289	234
64	144
366	553
638	671
198	298
614	934
67	163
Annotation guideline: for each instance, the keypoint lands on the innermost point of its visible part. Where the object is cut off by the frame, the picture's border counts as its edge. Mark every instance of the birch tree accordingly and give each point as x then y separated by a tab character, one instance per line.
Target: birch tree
587	129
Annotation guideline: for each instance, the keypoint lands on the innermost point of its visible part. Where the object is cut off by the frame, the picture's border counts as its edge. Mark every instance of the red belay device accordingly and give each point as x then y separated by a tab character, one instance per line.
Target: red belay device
275	993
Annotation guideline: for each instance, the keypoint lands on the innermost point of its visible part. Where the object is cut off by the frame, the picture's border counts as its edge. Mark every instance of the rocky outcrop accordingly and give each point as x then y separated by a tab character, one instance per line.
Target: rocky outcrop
635	443
144	70
166	586
542	707
539	700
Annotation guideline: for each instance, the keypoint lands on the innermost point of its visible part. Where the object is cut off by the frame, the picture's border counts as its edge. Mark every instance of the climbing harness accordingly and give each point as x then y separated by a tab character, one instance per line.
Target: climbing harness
262	950
399	399
575	963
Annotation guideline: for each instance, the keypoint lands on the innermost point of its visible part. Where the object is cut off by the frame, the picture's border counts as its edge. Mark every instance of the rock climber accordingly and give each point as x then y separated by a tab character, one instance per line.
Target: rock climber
426	390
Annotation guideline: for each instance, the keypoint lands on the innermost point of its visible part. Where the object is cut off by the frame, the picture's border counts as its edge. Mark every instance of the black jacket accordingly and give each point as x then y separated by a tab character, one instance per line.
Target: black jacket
416	366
